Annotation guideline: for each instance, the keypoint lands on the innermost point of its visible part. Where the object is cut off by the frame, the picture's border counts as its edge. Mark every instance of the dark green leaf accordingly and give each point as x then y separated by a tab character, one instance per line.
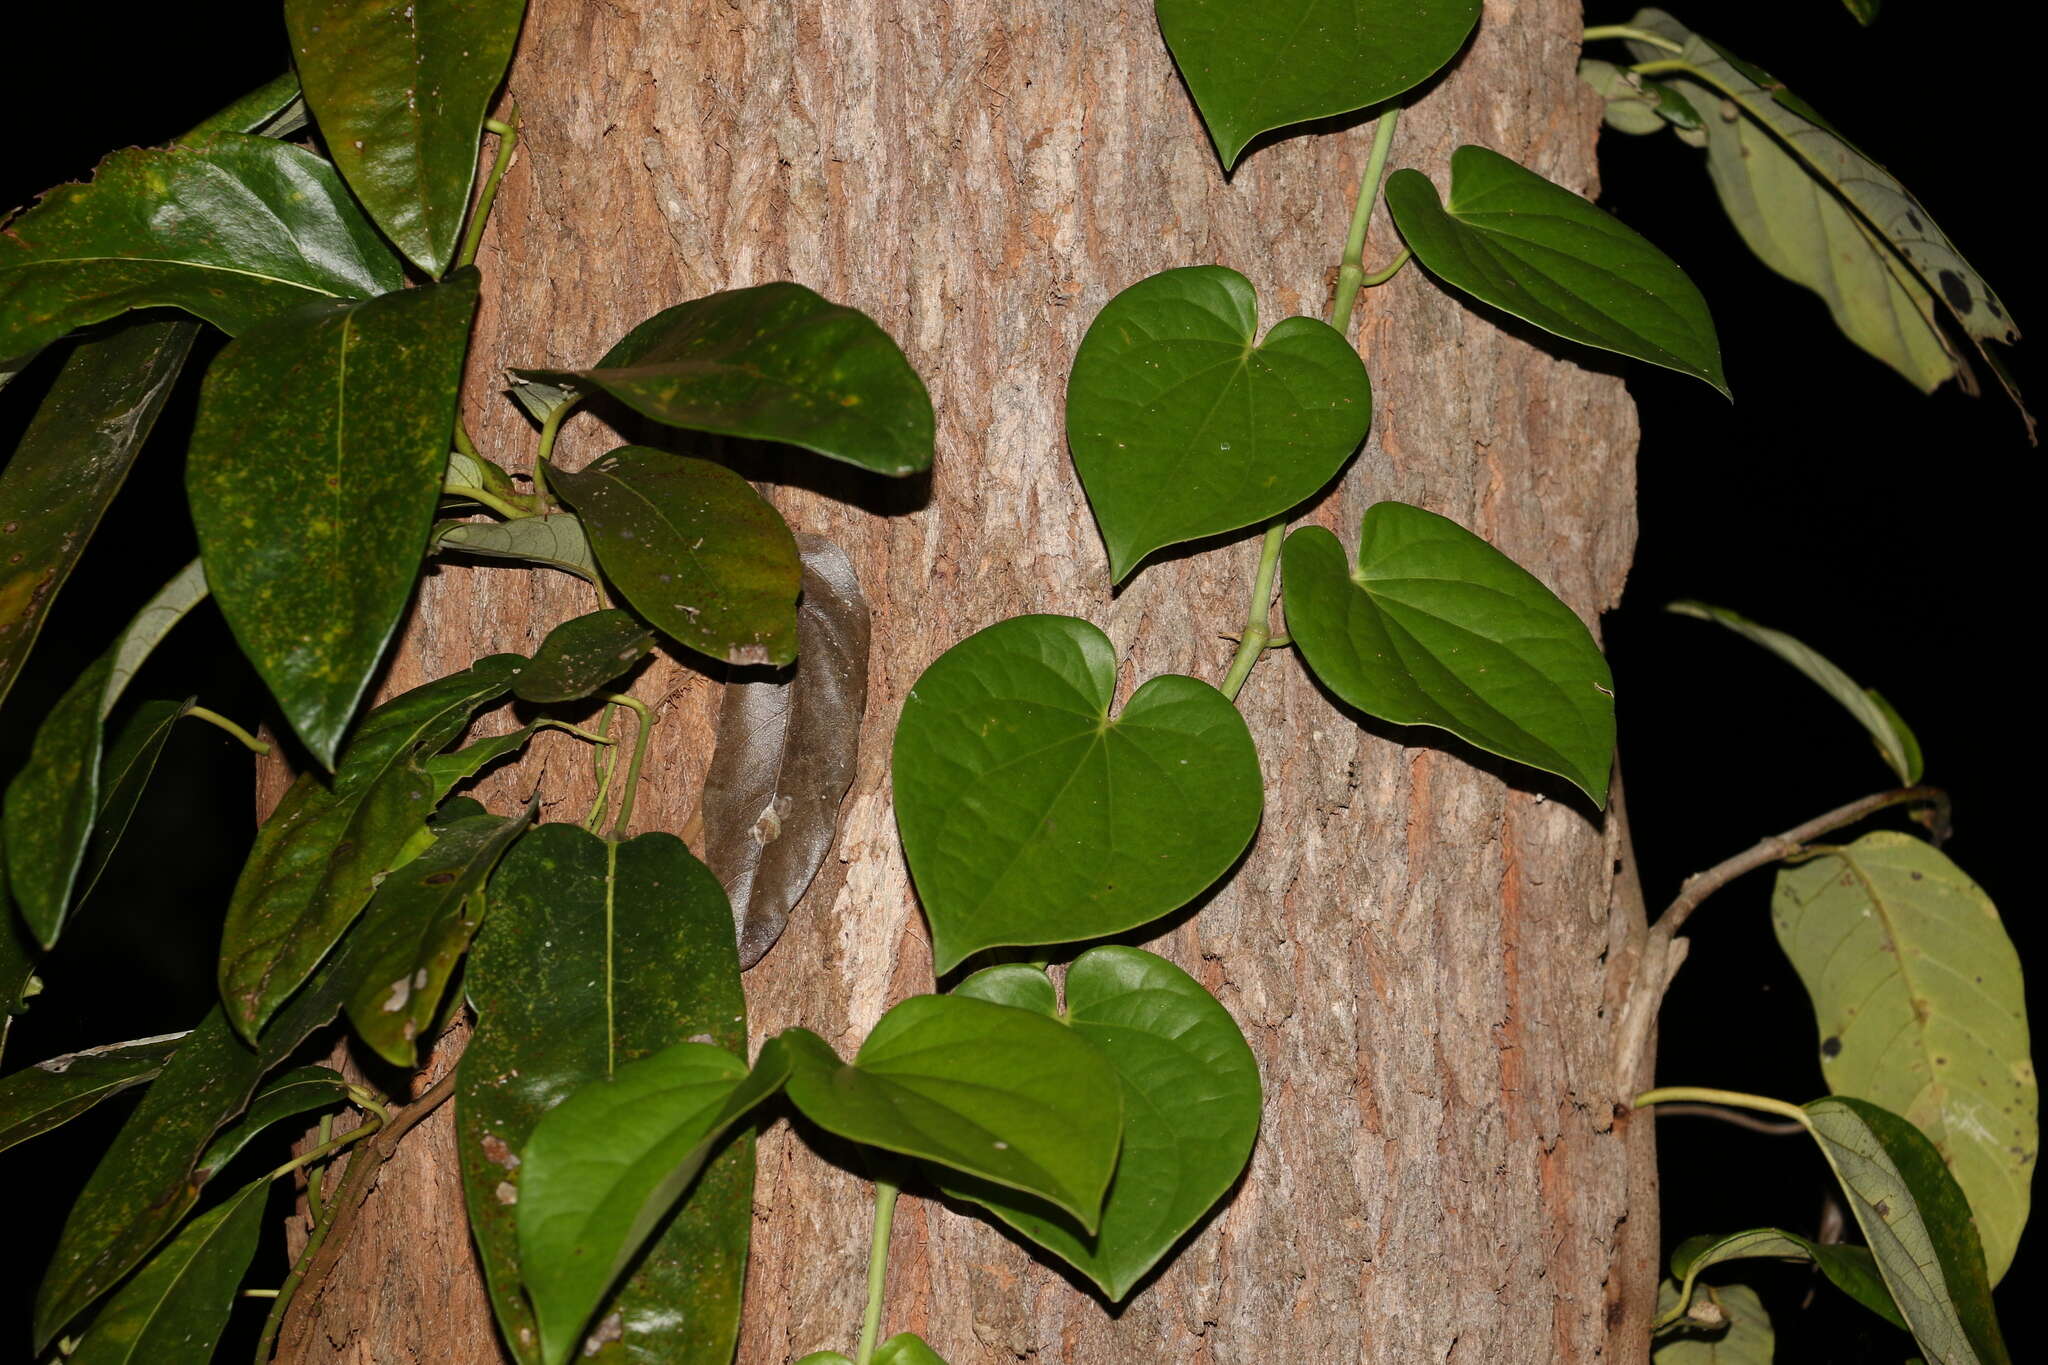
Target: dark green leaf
400	97
1895	741
1029	816
299	1091
606	1165
1864	10
556	541
582	655
1850	1268
1918	1225
997	1093
417	927
273	109
320	854
52	801
785	757
1917	991
314	471
18	955
124	773
595	955
1436	627
1181	427
49	1094
1191	1108
771	363
173	1311
1510	238
235	229
1254	68
1732	1329
70	464
694	548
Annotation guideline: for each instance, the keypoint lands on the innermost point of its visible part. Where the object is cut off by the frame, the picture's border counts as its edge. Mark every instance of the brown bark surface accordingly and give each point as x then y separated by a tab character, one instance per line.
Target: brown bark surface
1418	947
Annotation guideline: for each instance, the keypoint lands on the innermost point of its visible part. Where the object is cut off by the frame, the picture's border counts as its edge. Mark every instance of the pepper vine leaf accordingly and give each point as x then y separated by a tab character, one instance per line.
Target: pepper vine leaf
1850	1269
772	363
235	229
1917	991
1436	627
694	548
1255	68
314	471
1739	1334
581	655
400	101
1191	1108
1509	238
1000	1094
176	1307
556	540
302	1090
1030	816
130	761
1181	427
49	1094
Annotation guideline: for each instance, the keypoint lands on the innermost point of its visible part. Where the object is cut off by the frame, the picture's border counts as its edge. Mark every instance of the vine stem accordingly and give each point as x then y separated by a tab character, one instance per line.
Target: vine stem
1763	1104
1640	35
483	497
878	1270
508	139
632	787
219	721
1351	276
549	429
1257	637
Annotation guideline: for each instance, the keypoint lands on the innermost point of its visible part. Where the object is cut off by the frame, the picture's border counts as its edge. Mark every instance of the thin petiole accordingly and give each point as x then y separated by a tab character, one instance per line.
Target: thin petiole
219	721
549	723
1257	637
1763	1104
632	788
543	494
1640	35
508	139
878	1270
1380	277
366	1128
1664	67
485	498
607	760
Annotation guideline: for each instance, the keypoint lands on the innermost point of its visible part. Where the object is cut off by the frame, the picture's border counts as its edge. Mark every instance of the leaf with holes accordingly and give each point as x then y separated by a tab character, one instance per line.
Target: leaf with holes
400	97
315	467
582	655
49	1094
174	1310
1510	238
694	548
1180	427
1255	68
1030	816
1916	988
595	955
1850	1268
556	540
1436	627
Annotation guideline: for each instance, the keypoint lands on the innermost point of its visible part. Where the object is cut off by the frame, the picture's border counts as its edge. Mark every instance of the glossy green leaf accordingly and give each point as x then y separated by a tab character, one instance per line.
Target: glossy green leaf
694	548
232	228
1917	992
1851	1268
1436	627
273	109
417	927
1001	1094
582	655
1737	1330
1510	238
71	462
400	97
52	801
596	955
606	1165
772	363
1181	427
1191	1107
1895	741
302	1090
556	540
1029	816
468	476
314	471
323	850
173	1311
1918	1225
49	1094
1254	68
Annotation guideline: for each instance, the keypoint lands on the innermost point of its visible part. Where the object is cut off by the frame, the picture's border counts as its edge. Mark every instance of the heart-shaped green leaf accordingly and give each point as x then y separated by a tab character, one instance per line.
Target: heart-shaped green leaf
595	955
235	229
1001	1094
905	1348
400	99
556	540
1253	68
314	471
1182	428
1510	238
772	363
49	1094
1851	1268
694	548
175	1308
581	655
1436	627
1029	816
1191	1107
1739	1332
1917	991
605	1166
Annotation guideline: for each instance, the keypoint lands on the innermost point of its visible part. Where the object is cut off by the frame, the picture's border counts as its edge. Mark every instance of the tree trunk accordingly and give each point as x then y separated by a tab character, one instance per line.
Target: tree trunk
1420	947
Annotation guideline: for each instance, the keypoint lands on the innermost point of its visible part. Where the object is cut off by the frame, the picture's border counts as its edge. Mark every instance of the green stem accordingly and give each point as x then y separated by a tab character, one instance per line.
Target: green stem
545	495
215	718
1665	67
1763	1104
1351	273
508	138
485	498
367	1128
878	1270
462	441
1640	35
314	1204
550	723
1257	637
632	788
1380	277
607	763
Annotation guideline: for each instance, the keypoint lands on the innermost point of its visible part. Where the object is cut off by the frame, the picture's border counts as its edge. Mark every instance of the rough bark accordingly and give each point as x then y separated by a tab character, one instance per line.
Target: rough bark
1420	945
